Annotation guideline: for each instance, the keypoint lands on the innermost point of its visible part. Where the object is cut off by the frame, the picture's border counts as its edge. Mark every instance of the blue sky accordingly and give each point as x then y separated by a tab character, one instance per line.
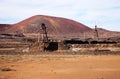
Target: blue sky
103	13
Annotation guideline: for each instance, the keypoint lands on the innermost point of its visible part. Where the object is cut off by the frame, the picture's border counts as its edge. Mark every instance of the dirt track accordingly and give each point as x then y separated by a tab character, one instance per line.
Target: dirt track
60	67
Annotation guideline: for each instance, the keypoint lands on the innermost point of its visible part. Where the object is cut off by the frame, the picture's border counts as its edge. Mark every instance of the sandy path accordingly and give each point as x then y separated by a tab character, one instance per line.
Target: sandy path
62	67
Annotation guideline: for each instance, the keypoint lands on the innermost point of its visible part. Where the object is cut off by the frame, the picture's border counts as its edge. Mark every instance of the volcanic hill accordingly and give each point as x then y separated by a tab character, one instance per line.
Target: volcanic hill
55	26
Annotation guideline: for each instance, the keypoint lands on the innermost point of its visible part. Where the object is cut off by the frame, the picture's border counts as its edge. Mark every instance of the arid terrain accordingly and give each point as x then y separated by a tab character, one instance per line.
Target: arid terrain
47	47
59	66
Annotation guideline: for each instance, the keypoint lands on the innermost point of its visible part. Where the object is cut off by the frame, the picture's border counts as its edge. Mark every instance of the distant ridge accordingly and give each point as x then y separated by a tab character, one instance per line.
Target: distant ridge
4	27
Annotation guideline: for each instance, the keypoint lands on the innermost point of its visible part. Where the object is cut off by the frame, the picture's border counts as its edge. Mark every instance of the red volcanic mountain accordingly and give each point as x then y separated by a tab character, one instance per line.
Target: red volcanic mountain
55	25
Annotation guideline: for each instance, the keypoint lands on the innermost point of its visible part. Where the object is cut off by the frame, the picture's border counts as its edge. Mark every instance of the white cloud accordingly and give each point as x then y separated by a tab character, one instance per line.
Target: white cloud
105	13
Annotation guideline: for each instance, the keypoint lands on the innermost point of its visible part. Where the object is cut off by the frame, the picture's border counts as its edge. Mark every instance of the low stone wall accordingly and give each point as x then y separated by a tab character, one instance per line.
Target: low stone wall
95	47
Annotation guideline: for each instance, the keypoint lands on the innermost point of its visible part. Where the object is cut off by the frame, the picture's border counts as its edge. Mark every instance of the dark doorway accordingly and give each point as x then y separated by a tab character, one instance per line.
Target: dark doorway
52	46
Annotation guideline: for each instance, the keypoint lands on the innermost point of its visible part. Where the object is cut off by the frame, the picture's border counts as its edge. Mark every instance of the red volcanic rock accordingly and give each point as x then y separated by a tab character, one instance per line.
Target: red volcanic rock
54	25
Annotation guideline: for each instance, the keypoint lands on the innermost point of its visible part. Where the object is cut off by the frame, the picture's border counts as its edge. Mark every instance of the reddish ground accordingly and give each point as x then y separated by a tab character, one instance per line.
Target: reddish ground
60	67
